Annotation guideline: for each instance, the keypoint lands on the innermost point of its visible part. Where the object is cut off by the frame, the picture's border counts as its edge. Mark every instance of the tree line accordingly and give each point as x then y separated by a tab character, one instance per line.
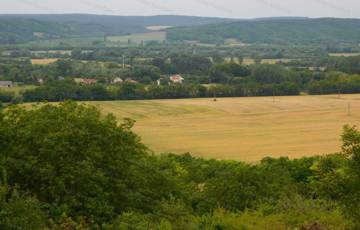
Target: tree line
60	91
203	78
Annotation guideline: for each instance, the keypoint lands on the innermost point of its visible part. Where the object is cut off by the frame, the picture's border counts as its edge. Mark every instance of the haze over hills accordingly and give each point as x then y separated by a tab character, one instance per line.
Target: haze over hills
22	28
279	30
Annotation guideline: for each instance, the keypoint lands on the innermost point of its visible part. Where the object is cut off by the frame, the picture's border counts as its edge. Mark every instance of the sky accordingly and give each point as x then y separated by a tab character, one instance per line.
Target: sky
214	8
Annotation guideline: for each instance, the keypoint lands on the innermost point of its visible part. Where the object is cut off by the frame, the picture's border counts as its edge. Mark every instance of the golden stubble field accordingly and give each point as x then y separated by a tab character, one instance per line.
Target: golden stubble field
45	61
246	129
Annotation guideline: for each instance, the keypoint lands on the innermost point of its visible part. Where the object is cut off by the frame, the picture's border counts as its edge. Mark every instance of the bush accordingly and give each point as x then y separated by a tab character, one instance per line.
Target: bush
22	213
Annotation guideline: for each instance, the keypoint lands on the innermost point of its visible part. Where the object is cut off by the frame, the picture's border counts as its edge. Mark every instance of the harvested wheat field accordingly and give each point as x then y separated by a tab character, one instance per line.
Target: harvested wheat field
247	129
45	61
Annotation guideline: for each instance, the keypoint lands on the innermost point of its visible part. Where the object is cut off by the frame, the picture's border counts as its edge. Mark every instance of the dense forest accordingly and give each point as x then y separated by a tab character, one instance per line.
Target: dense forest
273	31
70	167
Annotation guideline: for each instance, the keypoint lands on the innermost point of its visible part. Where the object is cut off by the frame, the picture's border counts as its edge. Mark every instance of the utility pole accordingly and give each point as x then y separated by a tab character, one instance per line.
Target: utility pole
349	109
123	62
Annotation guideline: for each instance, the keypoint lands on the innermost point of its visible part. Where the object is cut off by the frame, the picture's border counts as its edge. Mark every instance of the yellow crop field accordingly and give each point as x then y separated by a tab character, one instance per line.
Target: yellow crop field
45	61
247	129
275	61
248	61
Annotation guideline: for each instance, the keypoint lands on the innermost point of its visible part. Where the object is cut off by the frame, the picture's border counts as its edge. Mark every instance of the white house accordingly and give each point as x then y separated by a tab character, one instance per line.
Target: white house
116	80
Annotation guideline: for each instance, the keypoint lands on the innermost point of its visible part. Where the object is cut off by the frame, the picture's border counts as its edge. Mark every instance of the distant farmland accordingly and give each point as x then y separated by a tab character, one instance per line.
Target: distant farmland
72	42
138	38
241	128
44	61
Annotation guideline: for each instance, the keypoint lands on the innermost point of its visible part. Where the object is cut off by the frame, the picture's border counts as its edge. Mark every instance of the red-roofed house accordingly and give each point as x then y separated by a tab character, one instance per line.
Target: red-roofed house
86	81
177	79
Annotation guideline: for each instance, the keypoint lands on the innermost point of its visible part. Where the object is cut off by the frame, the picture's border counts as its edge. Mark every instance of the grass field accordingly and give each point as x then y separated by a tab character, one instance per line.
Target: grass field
138	38
158	27
73	42
344	54
18	89
241	128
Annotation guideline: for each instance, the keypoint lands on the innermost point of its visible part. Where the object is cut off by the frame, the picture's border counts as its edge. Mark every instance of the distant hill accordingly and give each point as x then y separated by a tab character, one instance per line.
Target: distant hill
273	30
23	28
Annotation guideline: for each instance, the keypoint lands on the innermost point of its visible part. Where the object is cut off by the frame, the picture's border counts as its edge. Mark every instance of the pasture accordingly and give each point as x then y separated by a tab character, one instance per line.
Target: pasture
344	54
62	42
138	38
247	129
17	90
158	27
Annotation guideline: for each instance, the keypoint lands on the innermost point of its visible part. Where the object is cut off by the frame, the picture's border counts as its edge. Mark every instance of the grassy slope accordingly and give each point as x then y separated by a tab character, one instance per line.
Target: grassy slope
241	128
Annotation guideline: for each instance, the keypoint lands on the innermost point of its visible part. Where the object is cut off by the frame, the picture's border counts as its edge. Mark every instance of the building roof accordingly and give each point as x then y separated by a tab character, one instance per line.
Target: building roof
176	78
129	80
117	80
85	80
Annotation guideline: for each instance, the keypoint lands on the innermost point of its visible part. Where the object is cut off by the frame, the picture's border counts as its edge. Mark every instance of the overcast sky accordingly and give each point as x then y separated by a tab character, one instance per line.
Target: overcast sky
215	8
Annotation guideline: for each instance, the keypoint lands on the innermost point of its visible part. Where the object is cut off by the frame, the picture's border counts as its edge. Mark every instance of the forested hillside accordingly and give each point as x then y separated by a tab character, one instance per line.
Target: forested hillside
279	31
23	28
17	30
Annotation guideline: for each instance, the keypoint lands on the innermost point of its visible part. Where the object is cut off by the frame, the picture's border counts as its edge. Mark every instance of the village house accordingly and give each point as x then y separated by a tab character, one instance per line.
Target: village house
129	80
85	81
6	84
176	79
117	80
40	81
60	78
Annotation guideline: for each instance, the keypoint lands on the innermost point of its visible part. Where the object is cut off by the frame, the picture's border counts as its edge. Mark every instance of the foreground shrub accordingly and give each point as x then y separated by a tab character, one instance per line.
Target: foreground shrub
79	162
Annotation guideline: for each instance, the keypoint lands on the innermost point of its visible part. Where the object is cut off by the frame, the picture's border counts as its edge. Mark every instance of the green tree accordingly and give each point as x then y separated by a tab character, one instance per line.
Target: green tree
78	162
351	149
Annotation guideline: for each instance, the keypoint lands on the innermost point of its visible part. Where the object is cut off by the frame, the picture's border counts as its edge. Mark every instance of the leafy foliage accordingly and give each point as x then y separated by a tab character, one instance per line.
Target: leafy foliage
66	166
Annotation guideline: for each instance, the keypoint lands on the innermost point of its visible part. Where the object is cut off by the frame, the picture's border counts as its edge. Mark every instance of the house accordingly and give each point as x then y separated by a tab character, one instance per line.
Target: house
176	79
40	81
6	84
129	80
116	80
85	81
88	81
